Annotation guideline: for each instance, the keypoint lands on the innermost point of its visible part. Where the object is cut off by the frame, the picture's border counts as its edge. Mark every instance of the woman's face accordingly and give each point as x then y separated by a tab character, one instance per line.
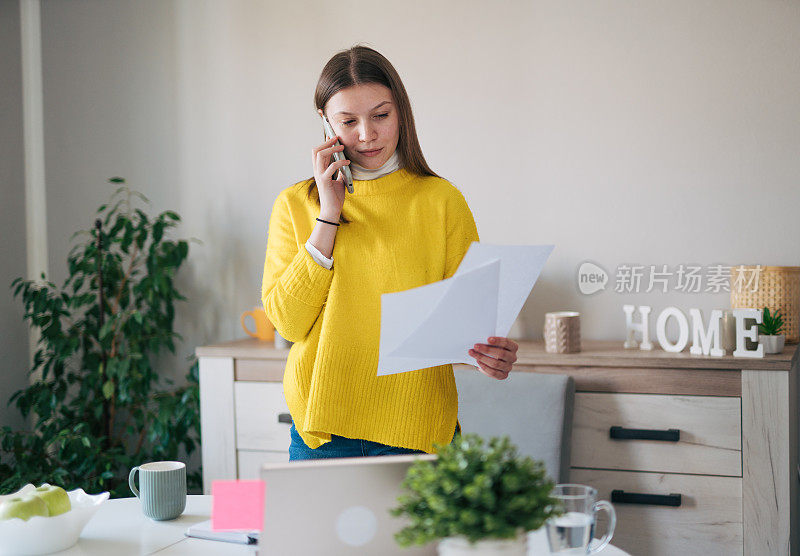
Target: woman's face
365	118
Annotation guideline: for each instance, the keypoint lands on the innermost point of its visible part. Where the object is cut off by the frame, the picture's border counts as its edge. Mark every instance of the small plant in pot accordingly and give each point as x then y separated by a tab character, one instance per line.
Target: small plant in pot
770	331
475	498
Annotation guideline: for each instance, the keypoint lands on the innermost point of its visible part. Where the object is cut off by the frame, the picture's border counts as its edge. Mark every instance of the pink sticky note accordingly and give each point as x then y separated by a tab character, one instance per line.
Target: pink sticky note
237	505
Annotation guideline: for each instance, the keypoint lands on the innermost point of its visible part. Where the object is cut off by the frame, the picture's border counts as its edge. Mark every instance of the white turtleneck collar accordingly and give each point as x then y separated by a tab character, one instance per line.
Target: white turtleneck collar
361	173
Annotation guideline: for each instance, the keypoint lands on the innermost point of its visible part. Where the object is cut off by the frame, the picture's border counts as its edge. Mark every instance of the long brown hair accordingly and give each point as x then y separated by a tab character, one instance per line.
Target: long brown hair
359	65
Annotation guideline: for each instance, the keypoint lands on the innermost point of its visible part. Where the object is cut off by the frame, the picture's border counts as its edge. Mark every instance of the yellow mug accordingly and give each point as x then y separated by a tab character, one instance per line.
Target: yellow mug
264	328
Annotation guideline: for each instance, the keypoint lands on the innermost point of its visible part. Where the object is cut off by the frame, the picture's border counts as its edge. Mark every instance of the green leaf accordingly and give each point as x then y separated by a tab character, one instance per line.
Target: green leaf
108	389
158	231
106	329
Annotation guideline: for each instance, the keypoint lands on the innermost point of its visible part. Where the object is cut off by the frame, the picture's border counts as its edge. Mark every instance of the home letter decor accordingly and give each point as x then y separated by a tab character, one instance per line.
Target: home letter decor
752	333
632	327
683	329
702	340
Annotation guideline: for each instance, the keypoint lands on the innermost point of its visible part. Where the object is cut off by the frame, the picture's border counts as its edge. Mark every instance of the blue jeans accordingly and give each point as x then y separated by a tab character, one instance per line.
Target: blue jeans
342	447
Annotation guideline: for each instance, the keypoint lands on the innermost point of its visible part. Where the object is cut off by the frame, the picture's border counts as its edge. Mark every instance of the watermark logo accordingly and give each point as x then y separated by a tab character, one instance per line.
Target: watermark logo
591	278
685	278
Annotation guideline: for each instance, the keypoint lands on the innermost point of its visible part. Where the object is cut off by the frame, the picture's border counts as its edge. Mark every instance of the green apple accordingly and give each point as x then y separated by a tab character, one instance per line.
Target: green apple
23	507
55	497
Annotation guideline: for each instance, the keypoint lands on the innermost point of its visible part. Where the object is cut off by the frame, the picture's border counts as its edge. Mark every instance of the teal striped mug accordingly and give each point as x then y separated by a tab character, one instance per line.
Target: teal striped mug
162	488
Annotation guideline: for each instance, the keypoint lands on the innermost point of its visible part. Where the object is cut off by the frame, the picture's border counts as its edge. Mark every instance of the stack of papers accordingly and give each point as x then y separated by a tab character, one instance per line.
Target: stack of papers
439	323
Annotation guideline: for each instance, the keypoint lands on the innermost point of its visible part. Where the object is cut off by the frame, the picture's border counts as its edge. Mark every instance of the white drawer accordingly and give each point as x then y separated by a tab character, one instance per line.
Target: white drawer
710	433
708	521
258	406
249	462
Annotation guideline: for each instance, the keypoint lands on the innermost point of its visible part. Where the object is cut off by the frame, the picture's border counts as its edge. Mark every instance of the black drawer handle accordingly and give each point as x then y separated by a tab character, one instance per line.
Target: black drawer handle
622	497
621	433
285	418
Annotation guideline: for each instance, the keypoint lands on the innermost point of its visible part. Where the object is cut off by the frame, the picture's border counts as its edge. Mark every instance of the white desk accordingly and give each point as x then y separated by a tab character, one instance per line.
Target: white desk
120	529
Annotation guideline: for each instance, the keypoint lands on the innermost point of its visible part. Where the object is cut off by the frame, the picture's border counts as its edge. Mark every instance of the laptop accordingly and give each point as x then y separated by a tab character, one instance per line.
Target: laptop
337	506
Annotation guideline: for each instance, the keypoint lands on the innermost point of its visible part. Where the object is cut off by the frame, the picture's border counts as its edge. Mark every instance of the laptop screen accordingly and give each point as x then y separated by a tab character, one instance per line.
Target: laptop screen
335	506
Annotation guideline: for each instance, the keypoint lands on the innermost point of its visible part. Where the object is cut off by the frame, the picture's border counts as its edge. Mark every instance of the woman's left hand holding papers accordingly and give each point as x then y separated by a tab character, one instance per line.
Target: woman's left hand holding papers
496	357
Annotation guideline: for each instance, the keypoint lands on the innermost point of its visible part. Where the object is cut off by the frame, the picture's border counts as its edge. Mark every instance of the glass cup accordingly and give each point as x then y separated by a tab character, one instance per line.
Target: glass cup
572	532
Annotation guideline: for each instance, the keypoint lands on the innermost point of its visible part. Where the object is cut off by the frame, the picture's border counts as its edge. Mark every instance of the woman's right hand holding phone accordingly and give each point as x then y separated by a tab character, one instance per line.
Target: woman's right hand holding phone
331	191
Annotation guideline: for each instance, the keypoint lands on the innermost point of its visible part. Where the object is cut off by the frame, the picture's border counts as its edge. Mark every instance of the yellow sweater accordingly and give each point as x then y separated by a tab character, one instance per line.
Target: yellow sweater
405	231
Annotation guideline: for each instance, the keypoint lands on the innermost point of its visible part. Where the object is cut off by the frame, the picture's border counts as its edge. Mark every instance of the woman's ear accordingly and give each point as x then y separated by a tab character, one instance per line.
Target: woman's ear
319	111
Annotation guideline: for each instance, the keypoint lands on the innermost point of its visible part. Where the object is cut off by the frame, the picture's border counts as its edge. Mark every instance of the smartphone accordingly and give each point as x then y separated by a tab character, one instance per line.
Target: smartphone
344	171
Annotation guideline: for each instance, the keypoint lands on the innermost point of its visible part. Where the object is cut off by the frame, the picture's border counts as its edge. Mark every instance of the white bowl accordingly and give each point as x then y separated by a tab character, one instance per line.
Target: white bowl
42	535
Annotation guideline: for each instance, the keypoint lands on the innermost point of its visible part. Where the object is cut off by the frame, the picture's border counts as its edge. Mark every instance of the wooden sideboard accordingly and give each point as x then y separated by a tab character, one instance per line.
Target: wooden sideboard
720	432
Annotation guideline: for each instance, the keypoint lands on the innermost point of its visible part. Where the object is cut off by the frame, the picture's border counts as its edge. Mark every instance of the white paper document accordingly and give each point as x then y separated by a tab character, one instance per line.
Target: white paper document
439	323
203	530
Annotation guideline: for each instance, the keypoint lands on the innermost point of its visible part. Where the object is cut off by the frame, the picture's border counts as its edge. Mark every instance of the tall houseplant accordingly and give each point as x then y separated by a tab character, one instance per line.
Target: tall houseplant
99	404
475	498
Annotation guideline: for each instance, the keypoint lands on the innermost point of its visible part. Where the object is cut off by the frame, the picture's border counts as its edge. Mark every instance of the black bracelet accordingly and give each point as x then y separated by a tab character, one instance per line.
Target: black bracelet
331	223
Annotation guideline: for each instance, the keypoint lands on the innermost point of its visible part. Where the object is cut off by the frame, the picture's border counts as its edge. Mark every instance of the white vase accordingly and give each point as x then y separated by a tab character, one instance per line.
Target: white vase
460	546
772	344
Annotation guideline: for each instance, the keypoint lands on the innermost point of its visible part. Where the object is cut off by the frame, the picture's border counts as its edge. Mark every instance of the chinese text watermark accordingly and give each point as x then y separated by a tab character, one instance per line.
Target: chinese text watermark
686	278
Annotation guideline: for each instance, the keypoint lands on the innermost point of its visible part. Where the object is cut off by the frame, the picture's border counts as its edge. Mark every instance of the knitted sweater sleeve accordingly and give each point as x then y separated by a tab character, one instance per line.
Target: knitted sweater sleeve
294	287
461	231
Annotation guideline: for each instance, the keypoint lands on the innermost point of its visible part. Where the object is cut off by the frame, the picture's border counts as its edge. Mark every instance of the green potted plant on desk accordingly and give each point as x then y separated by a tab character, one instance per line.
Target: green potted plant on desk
770	331
475	499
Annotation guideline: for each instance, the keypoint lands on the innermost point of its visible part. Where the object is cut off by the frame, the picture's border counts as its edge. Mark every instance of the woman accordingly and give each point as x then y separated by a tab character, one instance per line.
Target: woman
402	227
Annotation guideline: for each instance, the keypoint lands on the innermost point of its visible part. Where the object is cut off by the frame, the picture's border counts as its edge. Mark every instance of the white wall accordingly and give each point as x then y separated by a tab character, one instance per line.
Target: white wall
13	331
648	132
